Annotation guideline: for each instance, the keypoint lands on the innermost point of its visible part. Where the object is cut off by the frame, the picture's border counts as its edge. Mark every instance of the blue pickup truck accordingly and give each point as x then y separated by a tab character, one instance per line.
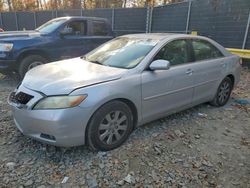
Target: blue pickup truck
60	38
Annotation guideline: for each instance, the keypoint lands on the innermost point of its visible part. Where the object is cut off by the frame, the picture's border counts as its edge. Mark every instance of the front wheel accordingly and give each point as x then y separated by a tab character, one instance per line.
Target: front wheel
110	126
223	92
30	62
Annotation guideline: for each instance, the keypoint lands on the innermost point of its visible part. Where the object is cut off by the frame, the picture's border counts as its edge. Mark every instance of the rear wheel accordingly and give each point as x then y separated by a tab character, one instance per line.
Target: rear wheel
110	126
30	62
223	92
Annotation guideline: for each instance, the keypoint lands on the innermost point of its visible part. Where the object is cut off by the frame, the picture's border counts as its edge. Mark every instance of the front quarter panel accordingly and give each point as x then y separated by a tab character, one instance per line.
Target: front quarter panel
125	88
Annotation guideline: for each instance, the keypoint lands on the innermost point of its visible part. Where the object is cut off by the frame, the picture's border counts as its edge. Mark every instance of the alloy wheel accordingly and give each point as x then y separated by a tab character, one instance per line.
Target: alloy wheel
34	64
224	92
113	127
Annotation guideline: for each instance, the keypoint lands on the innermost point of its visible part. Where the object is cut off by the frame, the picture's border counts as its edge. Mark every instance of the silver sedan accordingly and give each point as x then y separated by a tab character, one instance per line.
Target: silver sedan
99	99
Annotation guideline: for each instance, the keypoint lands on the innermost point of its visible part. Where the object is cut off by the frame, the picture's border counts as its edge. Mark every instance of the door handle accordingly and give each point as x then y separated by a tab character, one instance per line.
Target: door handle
189	72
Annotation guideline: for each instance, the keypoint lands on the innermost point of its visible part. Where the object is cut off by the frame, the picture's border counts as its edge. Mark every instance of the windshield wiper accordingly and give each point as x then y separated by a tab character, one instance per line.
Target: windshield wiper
96	62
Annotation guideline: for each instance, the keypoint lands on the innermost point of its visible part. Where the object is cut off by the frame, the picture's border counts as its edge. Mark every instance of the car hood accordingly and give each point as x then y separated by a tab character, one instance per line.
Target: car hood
17	35
62	77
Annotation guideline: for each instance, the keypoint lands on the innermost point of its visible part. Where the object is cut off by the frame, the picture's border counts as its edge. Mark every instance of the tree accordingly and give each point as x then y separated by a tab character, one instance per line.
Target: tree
9	5
18	5
33	5
1	5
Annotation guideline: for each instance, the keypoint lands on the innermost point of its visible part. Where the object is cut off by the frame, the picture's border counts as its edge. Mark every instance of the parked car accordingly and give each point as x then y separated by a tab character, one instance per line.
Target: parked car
98	99
60	38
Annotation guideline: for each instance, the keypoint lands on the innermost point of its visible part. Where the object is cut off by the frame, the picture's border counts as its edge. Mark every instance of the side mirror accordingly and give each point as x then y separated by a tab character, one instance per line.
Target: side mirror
159	64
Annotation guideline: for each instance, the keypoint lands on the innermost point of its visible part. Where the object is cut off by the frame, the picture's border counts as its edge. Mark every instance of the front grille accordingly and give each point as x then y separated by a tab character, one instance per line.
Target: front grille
20	98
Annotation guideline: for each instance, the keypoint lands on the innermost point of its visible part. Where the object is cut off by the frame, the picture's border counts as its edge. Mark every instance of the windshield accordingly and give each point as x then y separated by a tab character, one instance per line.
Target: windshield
50	26
122	52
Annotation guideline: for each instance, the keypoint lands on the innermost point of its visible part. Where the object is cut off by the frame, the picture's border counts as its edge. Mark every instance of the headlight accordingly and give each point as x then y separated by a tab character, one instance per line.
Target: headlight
6	47
57	102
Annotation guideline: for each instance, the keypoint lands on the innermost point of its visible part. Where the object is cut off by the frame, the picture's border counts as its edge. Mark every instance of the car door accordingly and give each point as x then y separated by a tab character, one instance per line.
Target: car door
209	66
73	40
167	91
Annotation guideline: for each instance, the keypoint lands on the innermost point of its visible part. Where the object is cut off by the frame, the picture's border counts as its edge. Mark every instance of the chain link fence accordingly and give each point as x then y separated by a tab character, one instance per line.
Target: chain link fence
226	21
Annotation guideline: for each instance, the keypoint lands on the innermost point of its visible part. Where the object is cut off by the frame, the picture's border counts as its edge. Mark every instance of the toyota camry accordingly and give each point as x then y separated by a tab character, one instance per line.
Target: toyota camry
100	98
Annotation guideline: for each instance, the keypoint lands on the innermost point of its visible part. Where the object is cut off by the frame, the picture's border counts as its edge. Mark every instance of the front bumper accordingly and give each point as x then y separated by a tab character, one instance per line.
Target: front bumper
60	127
7	66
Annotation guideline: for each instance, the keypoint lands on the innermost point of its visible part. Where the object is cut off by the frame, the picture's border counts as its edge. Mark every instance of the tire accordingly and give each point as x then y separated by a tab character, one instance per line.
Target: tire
110	126
30	62
223	92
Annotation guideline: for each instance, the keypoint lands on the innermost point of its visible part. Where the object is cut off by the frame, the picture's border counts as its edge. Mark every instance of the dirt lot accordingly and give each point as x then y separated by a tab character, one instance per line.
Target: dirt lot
200	147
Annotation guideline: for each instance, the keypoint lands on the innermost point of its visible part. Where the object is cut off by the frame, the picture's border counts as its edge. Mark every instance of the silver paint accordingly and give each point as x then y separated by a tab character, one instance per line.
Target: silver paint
155	94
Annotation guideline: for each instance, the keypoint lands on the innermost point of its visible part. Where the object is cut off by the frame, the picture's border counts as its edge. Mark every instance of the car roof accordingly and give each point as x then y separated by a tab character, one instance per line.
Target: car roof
161	36
166	36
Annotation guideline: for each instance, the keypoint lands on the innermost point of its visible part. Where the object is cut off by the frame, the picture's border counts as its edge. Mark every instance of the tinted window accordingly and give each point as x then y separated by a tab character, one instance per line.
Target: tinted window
75	28
100	28
204	50
176	52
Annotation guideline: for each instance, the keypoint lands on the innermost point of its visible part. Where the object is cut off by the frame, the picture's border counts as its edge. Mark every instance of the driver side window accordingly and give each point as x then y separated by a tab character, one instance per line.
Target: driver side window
75	28
176	52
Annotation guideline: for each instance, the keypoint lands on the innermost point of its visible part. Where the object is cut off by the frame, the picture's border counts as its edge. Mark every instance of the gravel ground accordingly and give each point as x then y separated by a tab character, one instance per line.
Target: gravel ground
200	147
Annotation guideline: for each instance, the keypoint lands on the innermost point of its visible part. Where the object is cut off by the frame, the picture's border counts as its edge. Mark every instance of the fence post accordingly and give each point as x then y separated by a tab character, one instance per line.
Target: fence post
113	19
16	21
188	15
35	19
246	32
1	20
149	19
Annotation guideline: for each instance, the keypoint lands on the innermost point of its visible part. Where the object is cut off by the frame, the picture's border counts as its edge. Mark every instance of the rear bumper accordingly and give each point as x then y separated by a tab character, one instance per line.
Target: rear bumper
237	75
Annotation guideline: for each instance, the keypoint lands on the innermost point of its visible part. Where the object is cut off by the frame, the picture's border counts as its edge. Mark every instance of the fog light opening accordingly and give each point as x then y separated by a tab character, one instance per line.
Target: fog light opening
48	137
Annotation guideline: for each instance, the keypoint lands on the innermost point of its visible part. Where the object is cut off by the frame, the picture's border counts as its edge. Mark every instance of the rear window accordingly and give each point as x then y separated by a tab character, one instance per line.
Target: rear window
204	50
100	28
76	28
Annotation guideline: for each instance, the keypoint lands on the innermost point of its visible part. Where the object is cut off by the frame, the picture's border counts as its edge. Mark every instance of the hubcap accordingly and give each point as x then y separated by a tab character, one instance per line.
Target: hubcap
34	64
113	127
224	92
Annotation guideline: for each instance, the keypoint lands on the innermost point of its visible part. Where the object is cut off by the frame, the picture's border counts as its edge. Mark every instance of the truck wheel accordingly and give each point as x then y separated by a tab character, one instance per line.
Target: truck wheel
30	62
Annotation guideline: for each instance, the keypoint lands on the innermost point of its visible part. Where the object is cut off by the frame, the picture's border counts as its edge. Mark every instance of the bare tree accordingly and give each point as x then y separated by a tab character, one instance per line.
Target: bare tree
1	5
84	4
9	5
45	4
125	4
41	4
